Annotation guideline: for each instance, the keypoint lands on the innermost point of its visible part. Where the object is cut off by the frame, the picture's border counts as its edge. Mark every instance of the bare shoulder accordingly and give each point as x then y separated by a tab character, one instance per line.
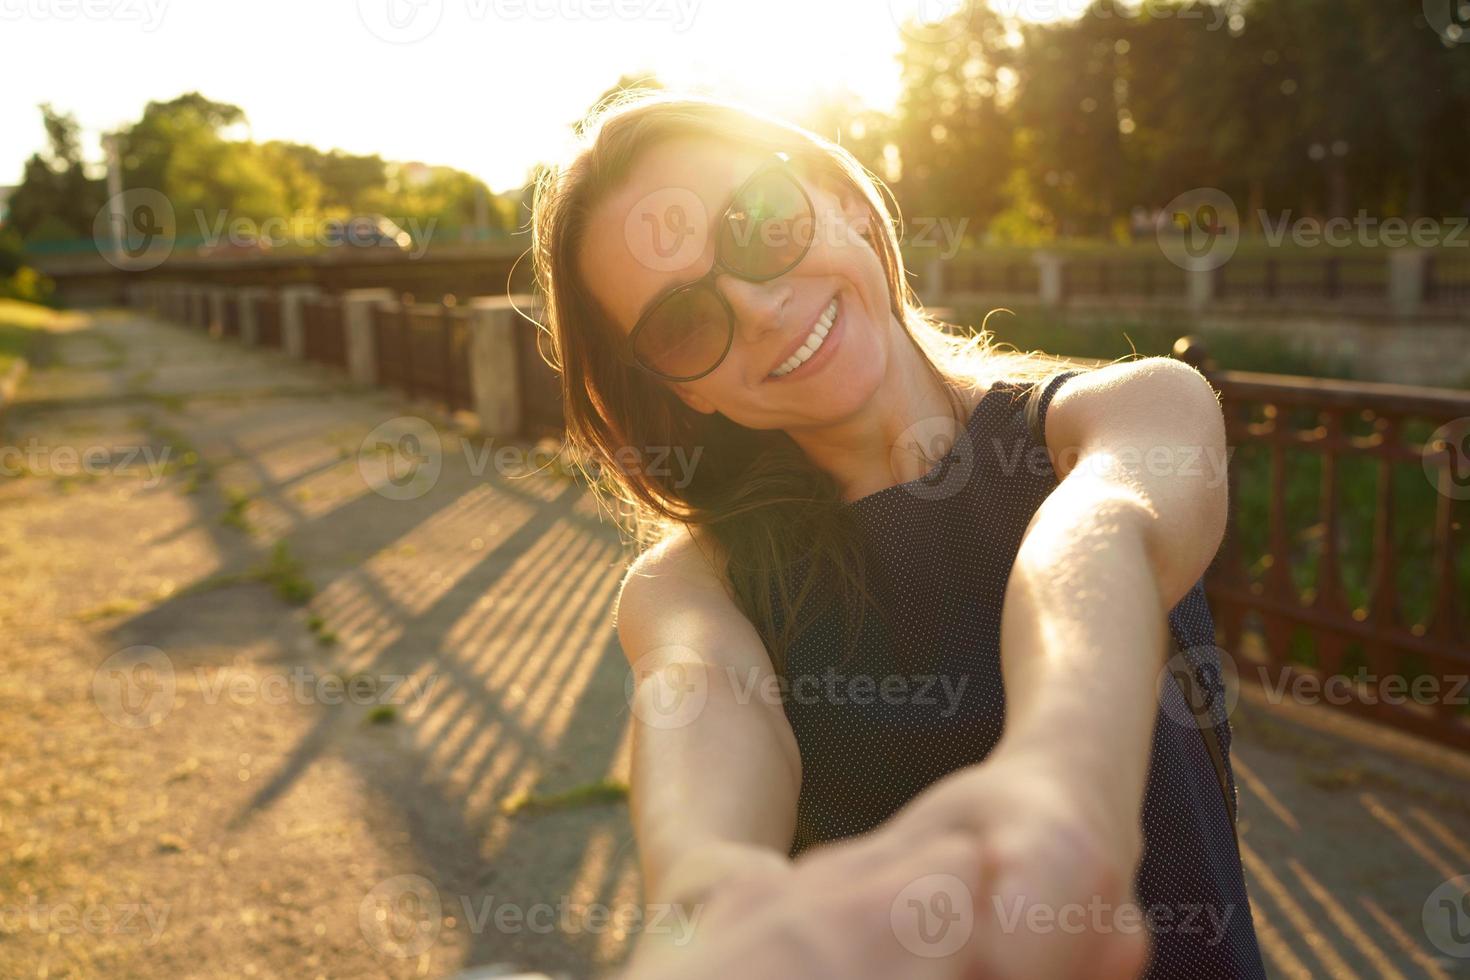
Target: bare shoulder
675	596
1152	397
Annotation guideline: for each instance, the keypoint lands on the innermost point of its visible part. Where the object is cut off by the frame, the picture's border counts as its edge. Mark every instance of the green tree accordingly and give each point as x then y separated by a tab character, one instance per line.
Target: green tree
56	200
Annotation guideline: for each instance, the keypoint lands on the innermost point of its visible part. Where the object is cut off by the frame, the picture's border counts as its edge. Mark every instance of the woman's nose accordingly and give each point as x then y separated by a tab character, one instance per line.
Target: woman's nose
758	306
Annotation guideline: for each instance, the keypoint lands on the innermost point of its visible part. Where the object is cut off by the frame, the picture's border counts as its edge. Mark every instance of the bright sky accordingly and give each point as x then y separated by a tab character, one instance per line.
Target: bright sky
488	86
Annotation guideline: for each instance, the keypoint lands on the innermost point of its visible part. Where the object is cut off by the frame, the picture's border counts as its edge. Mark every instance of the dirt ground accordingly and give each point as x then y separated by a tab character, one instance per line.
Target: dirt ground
271	699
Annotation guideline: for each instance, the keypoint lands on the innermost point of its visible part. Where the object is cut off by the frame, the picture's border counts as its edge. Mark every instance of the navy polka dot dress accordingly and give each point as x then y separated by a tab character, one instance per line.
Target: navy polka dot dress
922	696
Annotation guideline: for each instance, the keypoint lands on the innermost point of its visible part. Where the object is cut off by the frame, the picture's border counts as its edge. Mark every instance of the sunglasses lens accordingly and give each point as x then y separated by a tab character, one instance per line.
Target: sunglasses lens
769	227
685	335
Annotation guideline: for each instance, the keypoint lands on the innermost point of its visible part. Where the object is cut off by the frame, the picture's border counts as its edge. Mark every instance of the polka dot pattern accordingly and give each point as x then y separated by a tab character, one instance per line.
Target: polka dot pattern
922	696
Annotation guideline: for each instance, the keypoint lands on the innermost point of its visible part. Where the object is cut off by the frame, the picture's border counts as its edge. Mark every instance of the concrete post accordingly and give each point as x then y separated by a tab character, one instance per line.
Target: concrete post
216	299
249	325
293	321
1201	288
362	344
1052	272
933	282
1408	275
494	365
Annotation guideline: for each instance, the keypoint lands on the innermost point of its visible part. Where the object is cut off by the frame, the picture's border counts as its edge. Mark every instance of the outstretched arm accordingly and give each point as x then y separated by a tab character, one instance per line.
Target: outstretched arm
1127	532
715	766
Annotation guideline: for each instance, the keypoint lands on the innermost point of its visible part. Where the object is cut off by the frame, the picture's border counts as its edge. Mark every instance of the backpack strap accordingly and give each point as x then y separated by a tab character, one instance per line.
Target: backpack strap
1200	705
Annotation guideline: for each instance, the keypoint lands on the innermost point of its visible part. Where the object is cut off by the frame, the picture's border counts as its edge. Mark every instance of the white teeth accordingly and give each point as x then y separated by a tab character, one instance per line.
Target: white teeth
812	342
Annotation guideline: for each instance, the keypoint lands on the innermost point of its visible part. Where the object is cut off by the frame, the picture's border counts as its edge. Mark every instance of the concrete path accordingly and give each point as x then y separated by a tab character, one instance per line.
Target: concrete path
280	656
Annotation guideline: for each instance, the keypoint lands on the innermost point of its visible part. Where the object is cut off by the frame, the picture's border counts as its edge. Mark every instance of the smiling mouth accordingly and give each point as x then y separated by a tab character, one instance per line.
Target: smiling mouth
812	343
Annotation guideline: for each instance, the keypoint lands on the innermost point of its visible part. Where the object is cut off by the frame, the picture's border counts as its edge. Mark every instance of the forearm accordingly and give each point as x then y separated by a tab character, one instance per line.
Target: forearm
1082	641
711	797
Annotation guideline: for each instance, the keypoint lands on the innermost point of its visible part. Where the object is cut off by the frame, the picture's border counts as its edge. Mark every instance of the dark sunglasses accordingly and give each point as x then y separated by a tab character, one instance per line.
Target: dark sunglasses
764	233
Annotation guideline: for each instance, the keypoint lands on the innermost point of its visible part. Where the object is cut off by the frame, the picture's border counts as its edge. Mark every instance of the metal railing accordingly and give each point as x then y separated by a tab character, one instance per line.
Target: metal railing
324	337
268	321
1348	540
423	350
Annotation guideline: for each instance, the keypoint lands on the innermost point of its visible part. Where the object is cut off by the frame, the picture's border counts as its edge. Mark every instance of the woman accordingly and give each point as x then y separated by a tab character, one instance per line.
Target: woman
911	584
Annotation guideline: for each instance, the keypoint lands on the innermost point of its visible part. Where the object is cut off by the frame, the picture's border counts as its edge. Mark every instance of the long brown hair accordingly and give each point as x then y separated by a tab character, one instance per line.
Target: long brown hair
769	509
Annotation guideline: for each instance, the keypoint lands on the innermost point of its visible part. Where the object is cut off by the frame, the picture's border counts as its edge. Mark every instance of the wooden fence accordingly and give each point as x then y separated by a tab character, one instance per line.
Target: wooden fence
1348	540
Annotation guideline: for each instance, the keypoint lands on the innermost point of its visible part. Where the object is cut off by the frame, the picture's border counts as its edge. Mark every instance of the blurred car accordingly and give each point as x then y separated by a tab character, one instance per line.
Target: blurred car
366	231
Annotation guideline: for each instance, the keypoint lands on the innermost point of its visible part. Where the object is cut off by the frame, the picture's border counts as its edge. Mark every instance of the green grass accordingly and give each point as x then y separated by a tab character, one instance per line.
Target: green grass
21	325
282	572
236	503
604	791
